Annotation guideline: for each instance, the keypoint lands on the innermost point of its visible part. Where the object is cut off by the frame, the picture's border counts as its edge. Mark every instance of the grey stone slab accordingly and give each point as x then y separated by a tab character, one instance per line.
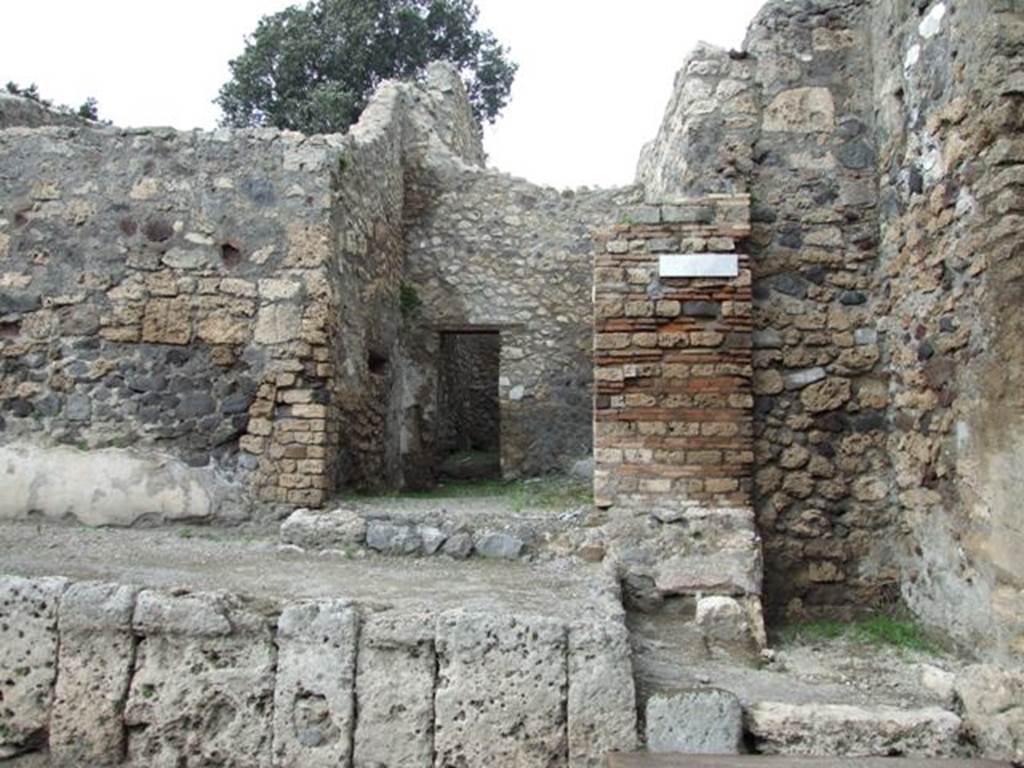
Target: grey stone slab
500	546
646	760
803	378
993	706
602	695
203	688
730	572
501	691
94	670
28	660
395	692
705	721
314	697
311	529
849	731
729	627
392	539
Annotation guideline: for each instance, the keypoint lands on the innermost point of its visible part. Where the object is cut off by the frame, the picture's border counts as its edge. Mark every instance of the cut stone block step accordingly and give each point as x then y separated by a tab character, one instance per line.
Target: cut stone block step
277	677
839	729
646	760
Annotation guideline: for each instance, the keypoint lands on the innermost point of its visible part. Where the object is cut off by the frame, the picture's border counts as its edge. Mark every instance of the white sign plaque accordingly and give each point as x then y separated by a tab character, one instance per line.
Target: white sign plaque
699	265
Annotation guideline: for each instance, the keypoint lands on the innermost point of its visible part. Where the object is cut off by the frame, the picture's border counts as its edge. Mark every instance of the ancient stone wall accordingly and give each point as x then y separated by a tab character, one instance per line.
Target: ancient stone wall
881	169
948	88
194	678
672	360
823	478
17	111
367	231
161	291
705	142
491	252
203	311
785	120
256	315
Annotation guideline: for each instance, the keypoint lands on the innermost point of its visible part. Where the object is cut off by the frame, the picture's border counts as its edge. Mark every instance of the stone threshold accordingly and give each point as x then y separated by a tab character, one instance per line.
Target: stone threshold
648	760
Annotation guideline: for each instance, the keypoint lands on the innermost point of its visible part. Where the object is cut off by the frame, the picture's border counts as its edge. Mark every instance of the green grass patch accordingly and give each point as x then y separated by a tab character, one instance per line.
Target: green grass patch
545	493
882	629
879	629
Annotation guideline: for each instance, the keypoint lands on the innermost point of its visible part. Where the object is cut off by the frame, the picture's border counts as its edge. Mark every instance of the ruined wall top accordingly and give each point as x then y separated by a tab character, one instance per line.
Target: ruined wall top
19	111
705	143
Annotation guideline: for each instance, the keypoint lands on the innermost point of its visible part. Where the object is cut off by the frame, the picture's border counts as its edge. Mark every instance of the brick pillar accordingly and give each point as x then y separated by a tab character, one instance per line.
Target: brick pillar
673	421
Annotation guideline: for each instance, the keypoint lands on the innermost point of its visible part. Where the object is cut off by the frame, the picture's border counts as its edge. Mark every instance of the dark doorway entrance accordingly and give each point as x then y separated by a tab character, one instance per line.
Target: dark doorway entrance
470	419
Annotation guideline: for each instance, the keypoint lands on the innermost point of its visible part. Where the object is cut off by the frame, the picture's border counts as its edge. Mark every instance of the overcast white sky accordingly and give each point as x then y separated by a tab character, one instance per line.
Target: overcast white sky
594	75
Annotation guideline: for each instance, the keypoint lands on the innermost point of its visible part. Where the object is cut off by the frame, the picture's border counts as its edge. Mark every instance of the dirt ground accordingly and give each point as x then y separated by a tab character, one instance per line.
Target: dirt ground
248	561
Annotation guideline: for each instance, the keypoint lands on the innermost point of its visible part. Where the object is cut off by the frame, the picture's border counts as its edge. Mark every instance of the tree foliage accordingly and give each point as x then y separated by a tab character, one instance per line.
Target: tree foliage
313	68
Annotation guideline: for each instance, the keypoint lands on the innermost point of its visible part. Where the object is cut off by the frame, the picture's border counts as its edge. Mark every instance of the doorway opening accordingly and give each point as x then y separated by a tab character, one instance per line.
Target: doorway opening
469	410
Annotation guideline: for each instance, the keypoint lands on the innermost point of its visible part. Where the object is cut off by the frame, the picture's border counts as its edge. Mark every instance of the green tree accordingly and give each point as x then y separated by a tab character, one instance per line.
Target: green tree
89	109
313	68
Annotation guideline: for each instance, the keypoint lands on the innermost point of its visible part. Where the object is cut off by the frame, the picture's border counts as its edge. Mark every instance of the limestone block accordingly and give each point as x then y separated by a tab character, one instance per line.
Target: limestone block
801	110
707	721
28	660
278	323
849	731
314	707
223	328
993	706
501	691
602	697
732	572
276	290
768	381
312	529
203	688
800	379
167	321
940	682
196	258
94	669
728	627
395	692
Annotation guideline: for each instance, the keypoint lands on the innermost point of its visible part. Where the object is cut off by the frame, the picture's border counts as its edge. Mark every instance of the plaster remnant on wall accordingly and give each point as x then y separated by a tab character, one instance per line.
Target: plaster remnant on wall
109	487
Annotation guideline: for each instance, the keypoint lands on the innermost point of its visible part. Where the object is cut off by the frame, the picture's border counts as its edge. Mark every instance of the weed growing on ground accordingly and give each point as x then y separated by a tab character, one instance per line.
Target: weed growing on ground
545	493
879	629
882	629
